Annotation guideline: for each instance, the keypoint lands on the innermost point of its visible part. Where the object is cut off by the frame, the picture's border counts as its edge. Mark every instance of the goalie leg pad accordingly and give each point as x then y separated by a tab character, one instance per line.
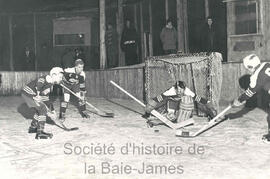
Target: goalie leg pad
153	104
185	108
208	109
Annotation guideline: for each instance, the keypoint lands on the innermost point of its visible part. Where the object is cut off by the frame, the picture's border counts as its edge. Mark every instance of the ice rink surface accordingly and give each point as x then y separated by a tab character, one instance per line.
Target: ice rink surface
232	149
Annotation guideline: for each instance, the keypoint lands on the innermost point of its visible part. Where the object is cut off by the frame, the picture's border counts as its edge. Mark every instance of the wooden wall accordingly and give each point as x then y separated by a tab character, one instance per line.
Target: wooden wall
12	82
131	79
97	82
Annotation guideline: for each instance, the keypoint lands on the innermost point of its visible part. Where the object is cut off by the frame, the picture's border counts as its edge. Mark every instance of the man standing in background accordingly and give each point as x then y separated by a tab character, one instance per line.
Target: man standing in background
208	37
168	37
28	60
129	42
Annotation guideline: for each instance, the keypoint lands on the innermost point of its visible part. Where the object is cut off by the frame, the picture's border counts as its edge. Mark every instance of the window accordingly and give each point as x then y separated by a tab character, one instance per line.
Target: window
72	31
246	17
69	39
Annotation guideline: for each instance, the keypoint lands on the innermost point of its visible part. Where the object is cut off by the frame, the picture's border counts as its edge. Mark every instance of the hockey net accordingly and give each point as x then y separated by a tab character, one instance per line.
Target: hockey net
202	72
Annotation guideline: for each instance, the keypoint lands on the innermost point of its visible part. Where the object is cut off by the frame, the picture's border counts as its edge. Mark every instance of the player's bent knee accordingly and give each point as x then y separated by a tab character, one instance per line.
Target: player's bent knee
42	109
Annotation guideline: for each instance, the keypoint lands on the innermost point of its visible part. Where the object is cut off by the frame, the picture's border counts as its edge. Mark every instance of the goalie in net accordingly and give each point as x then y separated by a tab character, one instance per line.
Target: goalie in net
179	102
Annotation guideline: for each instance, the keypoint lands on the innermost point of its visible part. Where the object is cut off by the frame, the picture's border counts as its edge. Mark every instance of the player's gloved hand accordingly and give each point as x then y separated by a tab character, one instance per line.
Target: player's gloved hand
236	103
37	99
52	115
171	116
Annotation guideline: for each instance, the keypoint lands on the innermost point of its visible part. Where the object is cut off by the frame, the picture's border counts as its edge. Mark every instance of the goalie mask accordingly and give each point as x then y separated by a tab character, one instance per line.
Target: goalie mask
251	62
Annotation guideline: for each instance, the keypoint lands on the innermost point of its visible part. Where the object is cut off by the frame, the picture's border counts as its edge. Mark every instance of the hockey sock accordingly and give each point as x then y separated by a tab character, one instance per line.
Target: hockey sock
41	123
34	122
63	107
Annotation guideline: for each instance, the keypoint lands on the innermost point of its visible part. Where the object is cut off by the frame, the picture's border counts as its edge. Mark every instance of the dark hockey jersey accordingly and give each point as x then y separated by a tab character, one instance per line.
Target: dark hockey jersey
71	77
259	80
42	85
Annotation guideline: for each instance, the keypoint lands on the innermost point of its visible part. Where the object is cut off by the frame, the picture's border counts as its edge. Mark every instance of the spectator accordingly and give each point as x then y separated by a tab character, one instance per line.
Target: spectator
111	47
28	60
208	37
129	42
168	38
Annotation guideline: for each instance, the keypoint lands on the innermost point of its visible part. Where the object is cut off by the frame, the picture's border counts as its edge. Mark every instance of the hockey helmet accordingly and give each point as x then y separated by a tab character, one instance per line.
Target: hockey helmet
56	71
251	62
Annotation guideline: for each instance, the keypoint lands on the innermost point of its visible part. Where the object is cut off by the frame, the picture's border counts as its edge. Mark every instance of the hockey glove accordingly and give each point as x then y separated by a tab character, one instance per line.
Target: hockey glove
236	103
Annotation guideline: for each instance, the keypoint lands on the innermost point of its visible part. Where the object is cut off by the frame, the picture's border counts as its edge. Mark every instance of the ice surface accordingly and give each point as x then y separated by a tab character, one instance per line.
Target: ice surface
232	149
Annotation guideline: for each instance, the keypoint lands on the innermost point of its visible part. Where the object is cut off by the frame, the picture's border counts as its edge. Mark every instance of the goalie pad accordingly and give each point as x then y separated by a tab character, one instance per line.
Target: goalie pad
208	109
185	108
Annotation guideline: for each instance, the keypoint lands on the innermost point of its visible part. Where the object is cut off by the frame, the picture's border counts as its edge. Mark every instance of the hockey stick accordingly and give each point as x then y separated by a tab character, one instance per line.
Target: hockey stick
98	112
156	113
61	125
210	124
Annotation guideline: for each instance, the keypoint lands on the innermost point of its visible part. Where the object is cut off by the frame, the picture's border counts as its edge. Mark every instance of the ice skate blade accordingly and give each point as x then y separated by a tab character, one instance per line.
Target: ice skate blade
43	137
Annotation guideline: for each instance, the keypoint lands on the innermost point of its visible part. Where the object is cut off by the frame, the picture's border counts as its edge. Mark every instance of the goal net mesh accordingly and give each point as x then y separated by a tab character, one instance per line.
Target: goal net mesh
202	72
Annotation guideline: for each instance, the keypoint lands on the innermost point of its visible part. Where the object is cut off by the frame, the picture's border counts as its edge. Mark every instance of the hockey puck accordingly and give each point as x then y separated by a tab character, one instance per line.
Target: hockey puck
156	130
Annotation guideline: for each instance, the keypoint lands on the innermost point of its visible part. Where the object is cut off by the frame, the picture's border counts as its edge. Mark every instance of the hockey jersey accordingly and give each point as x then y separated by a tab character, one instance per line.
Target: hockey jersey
42	86
71	78
259	80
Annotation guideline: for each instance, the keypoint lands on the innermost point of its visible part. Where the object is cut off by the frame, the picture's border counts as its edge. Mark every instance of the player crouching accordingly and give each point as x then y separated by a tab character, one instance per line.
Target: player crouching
36	95
74	79
180	103
259	80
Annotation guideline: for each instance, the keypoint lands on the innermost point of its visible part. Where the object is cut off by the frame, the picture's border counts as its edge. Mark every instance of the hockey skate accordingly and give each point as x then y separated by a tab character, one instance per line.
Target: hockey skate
62	117
43	135
32	130
84	114
146	115
266	138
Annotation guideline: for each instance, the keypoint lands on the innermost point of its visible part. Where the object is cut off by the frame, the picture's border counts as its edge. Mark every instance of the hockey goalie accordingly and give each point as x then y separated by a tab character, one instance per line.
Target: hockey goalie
179	103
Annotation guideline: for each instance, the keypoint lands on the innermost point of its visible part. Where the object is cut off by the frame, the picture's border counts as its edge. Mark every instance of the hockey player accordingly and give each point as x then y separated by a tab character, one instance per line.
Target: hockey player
74	79
36	95
180	102
260	79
